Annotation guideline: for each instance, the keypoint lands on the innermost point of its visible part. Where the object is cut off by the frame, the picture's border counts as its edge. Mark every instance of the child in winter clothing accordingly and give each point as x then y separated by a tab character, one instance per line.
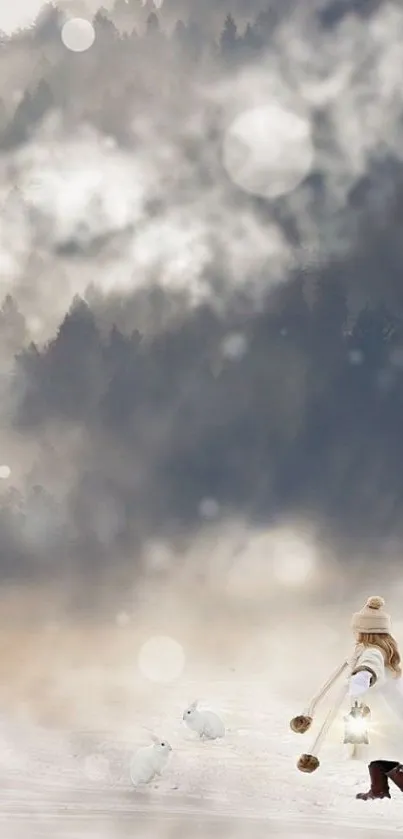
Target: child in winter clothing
375	676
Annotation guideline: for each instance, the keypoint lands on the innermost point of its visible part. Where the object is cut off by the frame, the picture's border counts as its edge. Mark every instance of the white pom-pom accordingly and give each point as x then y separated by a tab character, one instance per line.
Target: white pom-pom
375	602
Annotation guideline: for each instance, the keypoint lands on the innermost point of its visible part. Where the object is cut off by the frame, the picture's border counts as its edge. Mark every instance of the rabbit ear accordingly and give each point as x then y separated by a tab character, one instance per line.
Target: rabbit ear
193	705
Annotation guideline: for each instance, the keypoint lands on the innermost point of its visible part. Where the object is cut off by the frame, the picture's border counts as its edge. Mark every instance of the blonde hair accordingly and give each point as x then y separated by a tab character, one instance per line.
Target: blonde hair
388	646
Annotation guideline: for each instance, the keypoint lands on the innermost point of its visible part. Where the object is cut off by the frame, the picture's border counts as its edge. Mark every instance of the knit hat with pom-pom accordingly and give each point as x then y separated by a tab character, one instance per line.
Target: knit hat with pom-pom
372	619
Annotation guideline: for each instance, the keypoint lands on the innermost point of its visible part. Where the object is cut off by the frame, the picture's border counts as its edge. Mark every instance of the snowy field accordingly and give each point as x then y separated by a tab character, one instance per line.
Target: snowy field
129	825
247	785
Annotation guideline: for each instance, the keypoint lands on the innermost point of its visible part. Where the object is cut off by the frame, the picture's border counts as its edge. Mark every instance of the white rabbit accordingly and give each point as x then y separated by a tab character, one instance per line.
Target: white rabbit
149	761
206	723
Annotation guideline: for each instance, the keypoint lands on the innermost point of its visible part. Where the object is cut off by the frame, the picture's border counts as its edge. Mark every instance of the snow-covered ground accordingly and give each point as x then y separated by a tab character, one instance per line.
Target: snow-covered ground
127	825
245	785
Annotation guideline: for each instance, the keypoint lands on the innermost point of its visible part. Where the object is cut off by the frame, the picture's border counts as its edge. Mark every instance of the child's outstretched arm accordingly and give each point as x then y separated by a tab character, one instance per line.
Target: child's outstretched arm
369	669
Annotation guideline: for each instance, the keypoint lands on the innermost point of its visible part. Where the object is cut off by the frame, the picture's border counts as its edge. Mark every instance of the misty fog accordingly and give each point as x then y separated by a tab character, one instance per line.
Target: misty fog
201	351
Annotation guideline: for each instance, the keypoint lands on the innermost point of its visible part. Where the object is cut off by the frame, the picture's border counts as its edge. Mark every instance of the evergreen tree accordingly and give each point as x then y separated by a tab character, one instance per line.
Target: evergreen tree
78	329
117	350
179	39
48	25
32	108
73	365
105	30
125	14
12	327
229	37
266	23
153	25
196	40
249	42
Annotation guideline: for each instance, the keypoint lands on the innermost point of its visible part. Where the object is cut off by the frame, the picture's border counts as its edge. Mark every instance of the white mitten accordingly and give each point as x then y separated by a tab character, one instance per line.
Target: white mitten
359	683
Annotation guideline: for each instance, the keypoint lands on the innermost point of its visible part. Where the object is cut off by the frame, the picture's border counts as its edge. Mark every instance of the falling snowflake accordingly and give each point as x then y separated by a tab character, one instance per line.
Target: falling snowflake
234	346
209	509
356	357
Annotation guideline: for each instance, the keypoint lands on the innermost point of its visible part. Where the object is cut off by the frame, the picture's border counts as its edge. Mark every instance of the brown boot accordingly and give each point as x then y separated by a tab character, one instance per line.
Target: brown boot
396	775
379	784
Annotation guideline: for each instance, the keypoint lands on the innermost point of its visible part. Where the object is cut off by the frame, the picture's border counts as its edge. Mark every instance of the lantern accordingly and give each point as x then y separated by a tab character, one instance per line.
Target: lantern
356	725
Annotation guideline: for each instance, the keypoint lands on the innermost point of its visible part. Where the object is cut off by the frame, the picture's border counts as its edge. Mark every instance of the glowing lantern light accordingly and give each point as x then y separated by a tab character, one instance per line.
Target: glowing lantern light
356	725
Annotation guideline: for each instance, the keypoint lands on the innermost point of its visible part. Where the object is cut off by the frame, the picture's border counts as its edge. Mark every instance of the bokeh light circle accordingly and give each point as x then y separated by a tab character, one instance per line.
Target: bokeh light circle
234	346
268	151
161	659
356	357
294	562
78	34
123	619
209	509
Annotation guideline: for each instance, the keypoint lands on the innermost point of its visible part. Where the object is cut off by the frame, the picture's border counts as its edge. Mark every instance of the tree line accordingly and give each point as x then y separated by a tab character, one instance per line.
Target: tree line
305	421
